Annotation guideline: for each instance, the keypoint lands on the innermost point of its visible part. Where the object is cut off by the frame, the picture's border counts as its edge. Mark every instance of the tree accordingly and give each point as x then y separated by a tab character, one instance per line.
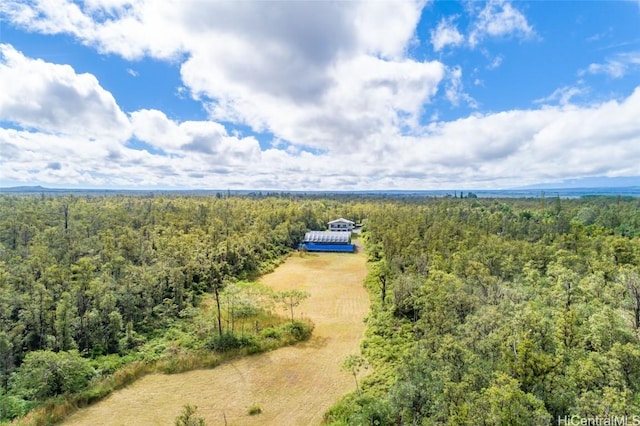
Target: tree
291	299
380	272
64	323
6	360
504	403
216	277
631	280
354	364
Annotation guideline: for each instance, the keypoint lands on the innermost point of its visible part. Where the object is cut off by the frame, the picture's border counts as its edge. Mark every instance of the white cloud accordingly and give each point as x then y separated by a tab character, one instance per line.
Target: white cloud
294	69
493	150
499	18
495	63
193	137
563	95
446	34
357	87
615	67
526	146
386	27
454	89
342	99
54	98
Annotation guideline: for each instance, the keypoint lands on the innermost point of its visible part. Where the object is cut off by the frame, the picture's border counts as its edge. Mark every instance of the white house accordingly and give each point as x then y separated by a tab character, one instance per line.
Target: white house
341	224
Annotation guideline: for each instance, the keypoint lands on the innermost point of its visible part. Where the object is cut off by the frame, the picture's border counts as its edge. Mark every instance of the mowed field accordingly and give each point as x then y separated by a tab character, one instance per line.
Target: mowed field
292	385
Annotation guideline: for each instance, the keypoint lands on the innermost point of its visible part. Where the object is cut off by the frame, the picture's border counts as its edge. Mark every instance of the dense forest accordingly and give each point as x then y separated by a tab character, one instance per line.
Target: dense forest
494	312
507	312
88	284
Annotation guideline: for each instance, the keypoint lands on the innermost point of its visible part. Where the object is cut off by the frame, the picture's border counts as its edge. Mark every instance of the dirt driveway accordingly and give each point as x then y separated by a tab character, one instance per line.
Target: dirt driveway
292	385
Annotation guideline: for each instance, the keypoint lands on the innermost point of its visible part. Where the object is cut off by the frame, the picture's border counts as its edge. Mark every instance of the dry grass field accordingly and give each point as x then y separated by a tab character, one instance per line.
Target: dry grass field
292	385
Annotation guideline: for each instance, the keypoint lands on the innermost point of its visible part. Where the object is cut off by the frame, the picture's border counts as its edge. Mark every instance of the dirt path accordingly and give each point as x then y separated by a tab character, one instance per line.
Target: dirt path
293	385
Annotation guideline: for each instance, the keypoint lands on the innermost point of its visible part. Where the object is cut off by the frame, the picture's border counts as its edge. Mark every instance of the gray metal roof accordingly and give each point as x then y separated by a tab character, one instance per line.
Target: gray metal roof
327	237
342	220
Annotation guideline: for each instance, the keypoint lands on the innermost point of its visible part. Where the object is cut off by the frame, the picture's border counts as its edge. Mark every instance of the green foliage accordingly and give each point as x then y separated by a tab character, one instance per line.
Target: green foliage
230	340
503	312
291	299
270	333
360	410
44	374
297	330
11	406
253	410
353	364
478	304
188	417
504	403
125	275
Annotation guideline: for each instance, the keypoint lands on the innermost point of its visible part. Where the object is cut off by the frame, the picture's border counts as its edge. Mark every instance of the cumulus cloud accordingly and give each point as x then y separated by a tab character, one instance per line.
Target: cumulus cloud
275	67
525	146
446	34
54	98
491	150
198	137
131	29
499	18
343	100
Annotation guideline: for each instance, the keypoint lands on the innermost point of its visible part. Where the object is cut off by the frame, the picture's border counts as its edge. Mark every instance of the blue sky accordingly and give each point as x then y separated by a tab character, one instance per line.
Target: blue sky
318	95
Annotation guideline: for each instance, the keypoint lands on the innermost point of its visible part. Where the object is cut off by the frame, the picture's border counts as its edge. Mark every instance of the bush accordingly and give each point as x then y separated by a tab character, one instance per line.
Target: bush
254	409
270	333
228	341
109	364
44	374
11	407
298	330
188	417
364	410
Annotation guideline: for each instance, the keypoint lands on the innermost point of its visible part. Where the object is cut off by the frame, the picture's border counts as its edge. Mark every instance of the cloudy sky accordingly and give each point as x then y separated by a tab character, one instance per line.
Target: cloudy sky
299	95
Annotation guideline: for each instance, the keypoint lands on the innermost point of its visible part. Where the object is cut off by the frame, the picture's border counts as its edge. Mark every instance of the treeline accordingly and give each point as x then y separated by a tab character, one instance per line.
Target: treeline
484	311
90	278
508	312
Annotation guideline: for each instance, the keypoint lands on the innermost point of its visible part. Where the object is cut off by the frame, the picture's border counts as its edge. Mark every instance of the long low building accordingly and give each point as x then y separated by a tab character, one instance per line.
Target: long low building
328	241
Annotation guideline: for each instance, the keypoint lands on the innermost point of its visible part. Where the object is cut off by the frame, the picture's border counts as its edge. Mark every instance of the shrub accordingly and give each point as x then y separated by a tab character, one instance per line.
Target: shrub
188	417
270	333
363	410
11	407
229	340
44	374
254	409
297	329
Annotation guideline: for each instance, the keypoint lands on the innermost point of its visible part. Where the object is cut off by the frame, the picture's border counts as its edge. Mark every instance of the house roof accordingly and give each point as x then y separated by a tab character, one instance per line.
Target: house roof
342	220
327	237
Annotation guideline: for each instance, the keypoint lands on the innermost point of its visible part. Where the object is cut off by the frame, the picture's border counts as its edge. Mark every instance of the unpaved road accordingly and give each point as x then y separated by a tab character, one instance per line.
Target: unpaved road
292	385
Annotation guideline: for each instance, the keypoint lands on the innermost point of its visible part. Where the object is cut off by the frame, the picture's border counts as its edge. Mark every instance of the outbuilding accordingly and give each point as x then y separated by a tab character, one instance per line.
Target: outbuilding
337	241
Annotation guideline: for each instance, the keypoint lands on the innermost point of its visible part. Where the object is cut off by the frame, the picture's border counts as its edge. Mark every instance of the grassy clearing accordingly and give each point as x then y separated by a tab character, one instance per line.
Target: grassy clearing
59	408
291	385
190	344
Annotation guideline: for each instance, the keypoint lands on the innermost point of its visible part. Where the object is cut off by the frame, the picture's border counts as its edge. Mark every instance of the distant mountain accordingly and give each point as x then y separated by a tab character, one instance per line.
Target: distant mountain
23	189
589	182
575	188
